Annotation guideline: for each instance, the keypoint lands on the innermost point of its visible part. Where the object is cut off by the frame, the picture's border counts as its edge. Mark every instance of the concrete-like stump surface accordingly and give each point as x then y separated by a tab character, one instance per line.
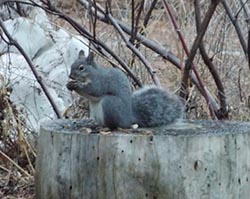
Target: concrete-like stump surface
202	159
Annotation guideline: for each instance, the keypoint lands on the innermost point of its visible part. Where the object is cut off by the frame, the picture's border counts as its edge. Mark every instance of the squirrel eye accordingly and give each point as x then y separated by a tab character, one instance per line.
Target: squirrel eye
81	67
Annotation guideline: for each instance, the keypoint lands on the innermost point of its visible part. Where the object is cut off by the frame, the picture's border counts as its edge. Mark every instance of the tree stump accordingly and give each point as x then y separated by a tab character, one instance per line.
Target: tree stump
202	159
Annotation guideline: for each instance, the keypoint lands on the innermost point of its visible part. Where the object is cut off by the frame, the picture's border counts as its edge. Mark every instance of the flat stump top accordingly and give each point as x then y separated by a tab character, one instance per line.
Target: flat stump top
185	128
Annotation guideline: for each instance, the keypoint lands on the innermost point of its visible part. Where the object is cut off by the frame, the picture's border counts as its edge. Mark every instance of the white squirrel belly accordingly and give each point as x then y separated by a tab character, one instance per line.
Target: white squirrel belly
96	111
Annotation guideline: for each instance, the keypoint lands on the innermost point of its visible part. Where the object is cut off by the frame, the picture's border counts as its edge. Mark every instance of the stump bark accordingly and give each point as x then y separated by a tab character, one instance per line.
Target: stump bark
202	159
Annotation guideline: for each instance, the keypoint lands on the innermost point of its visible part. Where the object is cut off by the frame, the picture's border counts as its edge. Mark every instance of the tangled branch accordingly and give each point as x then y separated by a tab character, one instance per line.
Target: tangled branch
13	42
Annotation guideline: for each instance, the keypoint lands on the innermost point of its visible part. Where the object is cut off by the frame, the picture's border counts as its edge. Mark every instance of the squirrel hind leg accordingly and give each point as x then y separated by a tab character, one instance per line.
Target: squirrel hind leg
119	115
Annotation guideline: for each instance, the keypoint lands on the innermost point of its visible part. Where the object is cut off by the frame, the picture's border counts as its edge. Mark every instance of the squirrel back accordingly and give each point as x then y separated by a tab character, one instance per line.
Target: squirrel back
111	101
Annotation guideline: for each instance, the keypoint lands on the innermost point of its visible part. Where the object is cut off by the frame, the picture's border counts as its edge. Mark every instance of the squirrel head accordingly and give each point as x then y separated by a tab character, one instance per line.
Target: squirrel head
83	67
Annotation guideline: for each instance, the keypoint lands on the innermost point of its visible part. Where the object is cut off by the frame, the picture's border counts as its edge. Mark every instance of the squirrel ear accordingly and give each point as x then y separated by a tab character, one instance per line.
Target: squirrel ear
81	54
90	57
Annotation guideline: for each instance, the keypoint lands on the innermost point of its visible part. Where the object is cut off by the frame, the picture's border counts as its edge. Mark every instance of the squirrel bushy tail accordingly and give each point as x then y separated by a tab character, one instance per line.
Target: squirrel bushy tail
154	106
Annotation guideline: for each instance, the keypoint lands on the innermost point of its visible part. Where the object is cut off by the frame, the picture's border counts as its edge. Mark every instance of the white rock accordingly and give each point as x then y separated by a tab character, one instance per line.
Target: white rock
52	52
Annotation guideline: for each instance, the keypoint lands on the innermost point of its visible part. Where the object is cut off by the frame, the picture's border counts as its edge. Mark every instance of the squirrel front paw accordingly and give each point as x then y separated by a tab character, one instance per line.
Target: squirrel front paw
72	85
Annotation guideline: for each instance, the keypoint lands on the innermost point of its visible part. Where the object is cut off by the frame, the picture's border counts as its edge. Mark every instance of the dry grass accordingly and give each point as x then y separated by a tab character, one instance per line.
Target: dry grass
17	154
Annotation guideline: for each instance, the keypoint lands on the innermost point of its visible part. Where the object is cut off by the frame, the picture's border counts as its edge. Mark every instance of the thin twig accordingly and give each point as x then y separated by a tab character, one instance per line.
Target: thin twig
85	33
32	67
236	26
195	46
245	8
16	165
148	15
168	55
145	23
92	21
156	47
134	50
5	169
134	32
137	20
189	64
132	38
239	85
23	142
222	113
248	48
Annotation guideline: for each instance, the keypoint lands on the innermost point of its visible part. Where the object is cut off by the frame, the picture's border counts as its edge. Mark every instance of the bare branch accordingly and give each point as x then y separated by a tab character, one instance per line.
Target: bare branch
239	85
149	13
189	64
156	47
145	41
92	22
134	50
194	48
32	67
132	39
136	20
236	25
85	33
245	7
222	113
145	23
248	53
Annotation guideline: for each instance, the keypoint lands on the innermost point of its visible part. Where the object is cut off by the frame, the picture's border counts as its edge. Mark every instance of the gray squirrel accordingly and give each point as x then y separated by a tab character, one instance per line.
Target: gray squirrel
113	104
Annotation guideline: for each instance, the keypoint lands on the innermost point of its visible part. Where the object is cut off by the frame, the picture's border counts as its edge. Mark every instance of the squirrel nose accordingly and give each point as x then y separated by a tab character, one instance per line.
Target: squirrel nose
71	76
